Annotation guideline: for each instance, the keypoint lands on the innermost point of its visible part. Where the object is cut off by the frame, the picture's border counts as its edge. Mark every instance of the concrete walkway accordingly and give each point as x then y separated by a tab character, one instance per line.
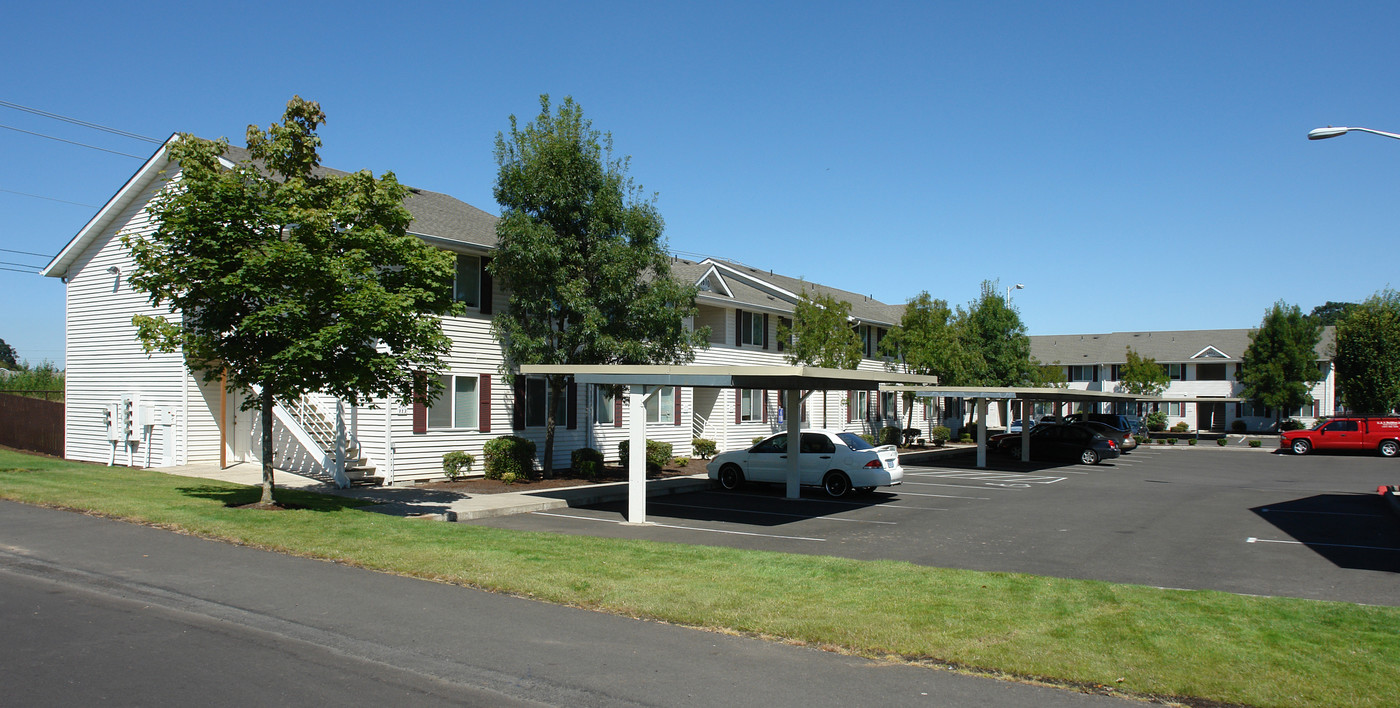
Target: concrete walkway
419	503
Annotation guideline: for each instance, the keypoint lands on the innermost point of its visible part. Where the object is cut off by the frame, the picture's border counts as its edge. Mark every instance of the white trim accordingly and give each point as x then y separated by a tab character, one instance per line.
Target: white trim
1200	353
722	284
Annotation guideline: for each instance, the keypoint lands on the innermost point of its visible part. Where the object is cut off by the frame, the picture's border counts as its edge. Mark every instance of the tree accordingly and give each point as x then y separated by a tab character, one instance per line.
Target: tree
289	279
1143	376
1368	355
9	358
821	334
1280	364
925	342
582	256
1332	312
1050	375
995	341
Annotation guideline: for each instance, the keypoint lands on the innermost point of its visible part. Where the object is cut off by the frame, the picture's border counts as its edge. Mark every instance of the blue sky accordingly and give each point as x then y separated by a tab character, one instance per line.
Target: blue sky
1138	166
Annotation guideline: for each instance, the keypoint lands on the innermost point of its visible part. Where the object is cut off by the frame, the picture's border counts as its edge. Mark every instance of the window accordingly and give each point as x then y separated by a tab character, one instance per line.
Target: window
1251	410
536	396
859	402
1081	372
456	405
1115	372
1342	426
467	289
888	405
751	404
1210	372
661	408
1176	372
1176	410
603	406
753	328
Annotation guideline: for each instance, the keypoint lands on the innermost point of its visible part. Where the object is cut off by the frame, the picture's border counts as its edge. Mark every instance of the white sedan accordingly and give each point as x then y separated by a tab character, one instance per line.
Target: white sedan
836	461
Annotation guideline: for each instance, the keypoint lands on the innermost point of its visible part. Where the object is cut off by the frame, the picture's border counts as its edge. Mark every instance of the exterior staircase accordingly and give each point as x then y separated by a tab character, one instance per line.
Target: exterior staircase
320	429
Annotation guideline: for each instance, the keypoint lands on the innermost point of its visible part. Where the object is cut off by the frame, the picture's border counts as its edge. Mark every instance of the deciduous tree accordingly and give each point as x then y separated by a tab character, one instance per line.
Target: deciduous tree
291	279
1280	363
1143	376
821	334
1368	355
925	342
581	253
9	359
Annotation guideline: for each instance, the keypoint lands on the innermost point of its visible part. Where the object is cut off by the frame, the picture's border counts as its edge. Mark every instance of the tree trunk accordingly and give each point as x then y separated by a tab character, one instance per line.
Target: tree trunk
266	446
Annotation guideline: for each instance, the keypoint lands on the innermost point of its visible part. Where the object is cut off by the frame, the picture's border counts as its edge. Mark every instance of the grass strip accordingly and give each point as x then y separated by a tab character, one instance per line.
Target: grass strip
1188	644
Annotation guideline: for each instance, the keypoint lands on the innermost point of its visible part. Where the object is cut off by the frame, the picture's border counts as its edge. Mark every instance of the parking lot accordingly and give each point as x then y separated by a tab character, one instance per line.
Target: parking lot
1238	520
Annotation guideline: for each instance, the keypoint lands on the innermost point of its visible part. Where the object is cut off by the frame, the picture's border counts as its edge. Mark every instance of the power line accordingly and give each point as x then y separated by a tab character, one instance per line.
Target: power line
27	253
40	196
75	121
22	265
70	142
31	272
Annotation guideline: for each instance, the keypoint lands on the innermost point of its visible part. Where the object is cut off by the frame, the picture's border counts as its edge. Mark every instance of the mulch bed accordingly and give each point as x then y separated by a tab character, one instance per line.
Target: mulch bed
562	478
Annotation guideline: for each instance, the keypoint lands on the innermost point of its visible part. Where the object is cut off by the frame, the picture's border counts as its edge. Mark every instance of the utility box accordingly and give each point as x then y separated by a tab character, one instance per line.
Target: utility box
127	417
113	419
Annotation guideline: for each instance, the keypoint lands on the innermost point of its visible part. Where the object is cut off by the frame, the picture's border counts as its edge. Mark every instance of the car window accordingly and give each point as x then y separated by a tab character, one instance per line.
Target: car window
1343	426
777	443
818	443
853	441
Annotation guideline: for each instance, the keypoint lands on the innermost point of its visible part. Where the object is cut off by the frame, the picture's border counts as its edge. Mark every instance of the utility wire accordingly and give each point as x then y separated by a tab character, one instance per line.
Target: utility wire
22	265
40	196
27	253
31	272
70	142
75	121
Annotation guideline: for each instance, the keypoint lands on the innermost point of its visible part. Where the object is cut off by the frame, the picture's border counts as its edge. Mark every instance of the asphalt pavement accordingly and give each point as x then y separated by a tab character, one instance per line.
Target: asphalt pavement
97	610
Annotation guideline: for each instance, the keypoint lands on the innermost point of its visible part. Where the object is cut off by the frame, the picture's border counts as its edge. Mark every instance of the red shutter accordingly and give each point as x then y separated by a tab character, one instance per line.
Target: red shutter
518	416
617	411
485	287
571	400
765	330
738	403
738	328
420	403
483	415
676	393
764	392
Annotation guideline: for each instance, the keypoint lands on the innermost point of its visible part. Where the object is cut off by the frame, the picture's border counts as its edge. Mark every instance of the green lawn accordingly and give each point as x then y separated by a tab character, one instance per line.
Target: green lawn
1147	641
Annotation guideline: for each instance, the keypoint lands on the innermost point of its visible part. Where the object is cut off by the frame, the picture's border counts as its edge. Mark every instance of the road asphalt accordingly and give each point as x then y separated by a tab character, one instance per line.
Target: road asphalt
101	610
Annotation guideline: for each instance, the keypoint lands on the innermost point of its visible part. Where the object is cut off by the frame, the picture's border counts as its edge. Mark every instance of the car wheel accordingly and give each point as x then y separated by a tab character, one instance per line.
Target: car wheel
836	484
1389	448
1301	447
1013	451
1090	456
730	477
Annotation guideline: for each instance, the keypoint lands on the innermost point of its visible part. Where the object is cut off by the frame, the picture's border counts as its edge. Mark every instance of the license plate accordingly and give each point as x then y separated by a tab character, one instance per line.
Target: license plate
889	464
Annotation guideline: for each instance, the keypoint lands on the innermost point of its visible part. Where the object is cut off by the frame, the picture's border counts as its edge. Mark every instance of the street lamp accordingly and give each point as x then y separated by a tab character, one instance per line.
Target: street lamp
1330	132
1019	286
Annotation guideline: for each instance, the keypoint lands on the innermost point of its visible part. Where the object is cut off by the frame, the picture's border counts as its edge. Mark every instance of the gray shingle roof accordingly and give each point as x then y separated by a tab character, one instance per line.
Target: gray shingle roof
1164	347
863	307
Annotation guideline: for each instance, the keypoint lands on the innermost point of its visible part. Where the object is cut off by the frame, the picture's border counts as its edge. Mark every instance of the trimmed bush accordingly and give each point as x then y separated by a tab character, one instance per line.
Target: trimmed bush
758	440
941	434
1156	421
658	454
1192	441
1220	442
891	436
1171	441
1181	427
1292	424
966	437
587	462
704	449
680	461
509	455
509	478
868	438
1255	443
455	464
1238	425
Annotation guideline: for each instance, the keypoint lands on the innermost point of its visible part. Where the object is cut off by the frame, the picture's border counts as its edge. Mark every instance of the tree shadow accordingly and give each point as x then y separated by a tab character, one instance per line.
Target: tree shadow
1353	531
288	498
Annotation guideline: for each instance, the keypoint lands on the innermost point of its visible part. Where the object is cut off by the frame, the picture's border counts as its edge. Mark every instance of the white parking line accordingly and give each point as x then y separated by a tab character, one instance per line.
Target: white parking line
770	513
935	484
684	528
996	477
945	496
1251	539
1267	510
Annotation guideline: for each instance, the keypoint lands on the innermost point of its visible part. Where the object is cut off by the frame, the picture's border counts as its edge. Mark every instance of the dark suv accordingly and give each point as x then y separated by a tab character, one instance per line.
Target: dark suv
1130	423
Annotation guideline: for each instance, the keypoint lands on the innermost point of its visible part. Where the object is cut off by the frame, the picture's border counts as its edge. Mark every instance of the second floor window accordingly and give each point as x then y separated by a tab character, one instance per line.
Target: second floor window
467	288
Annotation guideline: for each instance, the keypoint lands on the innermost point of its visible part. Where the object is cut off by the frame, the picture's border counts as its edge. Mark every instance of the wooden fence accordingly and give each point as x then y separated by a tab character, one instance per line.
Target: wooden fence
31	424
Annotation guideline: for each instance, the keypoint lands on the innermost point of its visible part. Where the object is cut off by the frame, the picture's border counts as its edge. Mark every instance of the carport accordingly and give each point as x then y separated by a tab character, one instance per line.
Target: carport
797	383
981	394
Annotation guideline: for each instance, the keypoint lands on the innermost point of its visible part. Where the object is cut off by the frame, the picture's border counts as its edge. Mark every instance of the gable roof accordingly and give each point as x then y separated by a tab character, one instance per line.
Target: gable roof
1170	347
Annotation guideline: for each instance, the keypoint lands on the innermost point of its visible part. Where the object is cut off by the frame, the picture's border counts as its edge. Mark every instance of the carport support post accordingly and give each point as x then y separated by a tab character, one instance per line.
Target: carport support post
636	455
981	432
1026	432
794	442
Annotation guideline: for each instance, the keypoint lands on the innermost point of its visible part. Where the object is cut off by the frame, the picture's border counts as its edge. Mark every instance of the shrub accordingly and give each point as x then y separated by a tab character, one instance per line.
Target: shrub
509	455
680	461
1255	443
1142	439
1192	441
508	478
703	448
1238	425
1220	442
1156	421
1181	427
891	436
587	462
1171	441
758	440
868	438
941	434
966	437
456	464
1292	424
658	454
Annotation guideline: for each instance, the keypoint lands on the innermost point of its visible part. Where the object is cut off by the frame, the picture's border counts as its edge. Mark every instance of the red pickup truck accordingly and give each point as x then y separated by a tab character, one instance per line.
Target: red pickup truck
1379	434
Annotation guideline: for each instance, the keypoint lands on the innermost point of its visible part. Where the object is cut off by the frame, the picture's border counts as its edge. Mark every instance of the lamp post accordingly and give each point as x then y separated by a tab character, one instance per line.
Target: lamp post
1009	288
1330	132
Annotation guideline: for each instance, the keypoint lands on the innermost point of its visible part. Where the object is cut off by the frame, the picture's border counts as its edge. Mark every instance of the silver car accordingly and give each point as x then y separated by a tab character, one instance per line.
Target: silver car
836	461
